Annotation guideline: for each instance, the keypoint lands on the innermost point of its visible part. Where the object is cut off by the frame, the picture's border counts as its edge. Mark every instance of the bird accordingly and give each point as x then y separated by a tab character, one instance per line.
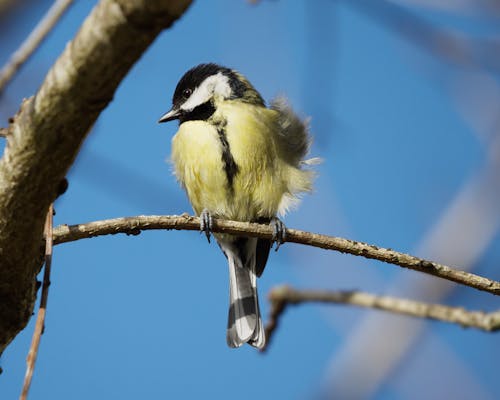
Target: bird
241	160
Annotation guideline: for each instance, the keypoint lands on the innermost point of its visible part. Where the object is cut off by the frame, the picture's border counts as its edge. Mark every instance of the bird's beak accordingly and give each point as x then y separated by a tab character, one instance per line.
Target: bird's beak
174	113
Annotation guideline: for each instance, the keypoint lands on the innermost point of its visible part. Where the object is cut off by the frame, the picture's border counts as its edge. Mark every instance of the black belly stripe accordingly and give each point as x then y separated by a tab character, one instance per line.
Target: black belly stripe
230	167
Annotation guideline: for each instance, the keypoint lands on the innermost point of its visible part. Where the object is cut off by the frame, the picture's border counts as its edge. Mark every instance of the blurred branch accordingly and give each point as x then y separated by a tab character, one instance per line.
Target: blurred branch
134	225
45	136
447	44
462	234
488	8
282	296
32	41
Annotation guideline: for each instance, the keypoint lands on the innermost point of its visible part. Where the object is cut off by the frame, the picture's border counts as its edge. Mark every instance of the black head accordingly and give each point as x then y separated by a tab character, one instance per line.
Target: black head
196	91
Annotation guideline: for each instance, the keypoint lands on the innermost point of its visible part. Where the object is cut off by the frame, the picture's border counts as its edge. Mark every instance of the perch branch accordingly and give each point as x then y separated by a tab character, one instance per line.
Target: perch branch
134	225
40	319
32	41
45	136
282	296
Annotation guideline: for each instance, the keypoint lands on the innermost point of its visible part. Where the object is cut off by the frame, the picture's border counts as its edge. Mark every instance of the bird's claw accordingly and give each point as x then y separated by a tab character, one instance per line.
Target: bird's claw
279	232
206	222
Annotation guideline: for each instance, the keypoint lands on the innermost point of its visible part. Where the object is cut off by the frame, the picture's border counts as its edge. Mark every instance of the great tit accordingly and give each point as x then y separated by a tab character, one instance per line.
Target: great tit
239	160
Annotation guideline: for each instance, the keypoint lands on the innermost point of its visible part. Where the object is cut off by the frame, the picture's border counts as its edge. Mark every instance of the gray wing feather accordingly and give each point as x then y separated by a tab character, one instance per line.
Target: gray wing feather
293	134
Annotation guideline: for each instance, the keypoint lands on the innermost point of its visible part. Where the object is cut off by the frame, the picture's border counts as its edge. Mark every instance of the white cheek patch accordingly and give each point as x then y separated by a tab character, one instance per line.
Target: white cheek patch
215	85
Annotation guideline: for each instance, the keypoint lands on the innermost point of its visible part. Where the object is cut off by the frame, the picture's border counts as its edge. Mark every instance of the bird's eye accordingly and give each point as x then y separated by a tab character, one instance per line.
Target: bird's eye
186	93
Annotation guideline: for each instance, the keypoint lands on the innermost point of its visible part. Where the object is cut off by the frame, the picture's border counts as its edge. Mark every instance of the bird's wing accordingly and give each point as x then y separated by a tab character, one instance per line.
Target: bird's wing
293	137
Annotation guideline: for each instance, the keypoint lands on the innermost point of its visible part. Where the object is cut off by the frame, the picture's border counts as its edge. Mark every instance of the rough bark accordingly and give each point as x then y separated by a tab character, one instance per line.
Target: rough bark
46	134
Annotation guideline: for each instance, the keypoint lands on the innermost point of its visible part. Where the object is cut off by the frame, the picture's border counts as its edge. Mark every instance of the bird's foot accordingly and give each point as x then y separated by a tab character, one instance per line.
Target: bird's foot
279	232
206	222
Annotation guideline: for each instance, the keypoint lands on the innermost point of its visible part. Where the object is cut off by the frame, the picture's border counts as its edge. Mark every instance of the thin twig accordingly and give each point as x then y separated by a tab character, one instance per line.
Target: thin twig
134	225
282	296
32	41
40	320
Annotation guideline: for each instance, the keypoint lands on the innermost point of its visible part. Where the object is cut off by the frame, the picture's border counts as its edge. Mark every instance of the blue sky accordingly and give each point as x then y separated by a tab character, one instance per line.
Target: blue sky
144	316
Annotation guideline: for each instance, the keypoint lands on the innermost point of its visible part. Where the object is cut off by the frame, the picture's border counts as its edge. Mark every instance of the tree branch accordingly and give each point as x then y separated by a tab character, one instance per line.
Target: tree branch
42	311
32	41
46	134
282	296
134	225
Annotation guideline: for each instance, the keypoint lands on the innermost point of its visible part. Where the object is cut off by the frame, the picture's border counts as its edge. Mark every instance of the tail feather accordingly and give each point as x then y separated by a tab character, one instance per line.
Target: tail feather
244	322
242	314
258	339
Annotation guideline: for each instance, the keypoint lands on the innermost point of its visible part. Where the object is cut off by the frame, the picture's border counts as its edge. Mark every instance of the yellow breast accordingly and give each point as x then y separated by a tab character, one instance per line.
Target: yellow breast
262	178
197	154
260	184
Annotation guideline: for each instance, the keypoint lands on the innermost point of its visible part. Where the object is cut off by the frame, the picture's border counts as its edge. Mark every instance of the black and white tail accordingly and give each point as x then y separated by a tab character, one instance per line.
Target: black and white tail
244	323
